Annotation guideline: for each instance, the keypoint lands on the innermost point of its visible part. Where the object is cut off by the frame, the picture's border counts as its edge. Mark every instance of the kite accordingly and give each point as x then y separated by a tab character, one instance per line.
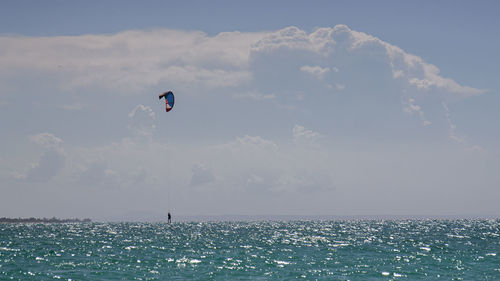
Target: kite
169	100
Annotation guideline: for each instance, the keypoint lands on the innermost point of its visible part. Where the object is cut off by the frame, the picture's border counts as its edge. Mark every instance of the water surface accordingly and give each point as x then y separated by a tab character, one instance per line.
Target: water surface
322	250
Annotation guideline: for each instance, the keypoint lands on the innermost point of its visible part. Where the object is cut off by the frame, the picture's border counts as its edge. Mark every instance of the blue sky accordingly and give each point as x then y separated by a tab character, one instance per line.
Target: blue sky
283	107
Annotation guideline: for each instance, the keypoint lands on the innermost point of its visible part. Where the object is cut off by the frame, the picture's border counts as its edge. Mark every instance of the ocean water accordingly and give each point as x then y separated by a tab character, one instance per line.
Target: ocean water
274	250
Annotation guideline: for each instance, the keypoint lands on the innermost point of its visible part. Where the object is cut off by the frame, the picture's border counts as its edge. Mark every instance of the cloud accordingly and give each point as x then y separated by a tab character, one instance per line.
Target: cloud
300	133
254	142
452	127
201	175
141	121
339	87
423	75
254	96
404	65
47	140
97	174
266	67
123	62
129	164
50	163
304	182
411	107
237	133
143	108
289	37
363	59
327	41
316	71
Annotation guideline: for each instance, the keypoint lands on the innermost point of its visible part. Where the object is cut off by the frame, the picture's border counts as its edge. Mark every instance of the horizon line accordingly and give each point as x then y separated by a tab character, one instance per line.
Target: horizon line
230	217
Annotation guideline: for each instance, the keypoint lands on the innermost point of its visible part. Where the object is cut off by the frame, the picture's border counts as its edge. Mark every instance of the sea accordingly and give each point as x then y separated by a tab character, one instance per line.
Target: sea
422	249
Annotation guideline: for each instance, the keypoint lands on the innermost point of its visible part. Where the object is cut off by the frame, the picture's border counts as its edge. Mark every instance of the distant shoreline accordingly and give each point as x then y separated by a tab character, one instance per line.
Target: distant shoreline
42	220
155	218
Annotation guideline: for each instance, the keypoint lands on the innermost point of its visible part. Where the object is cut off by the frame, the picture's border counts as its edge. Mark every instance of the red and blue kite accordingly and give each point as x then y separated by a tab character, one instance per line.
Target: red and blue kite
169	100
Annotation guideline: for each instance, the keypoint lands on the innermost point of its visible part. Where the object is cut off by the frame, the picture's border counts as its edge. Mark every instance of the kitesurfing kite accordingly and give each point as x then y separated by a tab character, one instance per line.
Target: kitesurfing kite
169	100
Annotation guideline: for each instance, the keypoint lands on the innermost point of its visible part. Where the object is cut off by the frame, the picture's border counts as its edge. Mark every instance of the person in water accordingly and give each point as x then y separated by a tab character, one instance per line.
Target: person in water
169	218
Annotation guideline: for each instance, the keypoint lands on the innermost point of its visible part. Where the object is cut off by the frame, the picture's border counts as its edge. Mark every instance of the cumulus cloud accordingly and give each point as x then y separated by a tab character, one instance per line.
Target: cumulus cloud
411	108
123	61
50	162
289	37
326	40
316	71
260	66
300	133
141	121
97	174
47	140
201	175
423	75
143	108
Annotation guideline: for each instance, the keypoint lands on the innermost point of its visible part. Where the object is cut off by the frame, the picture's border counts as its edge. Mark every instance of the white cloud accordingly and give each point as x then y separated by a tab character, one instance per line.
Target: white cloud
254	179
141	121
289	37
417	72
205	77
47	140
131	60
253	95
98	175
135	49
452	127
46	168
421	74
316	71
397	73
300	133
238	174
339	87
201	175
143	108
50	163
411	107
254	142
324	41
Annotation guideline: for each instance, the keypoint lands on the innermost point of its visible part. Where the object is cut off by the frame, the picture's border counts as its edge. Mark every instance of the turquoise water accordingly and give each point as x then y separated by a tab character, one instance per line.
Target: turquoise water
324	250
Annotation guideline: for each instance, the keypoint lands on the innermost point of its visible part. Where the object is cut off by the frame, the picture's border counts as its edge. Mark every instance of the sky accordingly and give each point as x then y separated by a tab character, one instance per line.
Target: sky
337	108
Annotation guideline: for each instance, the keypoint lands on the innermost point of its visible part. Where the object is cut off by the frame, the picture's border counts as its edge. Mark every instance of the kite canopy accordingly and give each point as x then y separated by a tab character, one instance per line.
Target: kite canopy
169	100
